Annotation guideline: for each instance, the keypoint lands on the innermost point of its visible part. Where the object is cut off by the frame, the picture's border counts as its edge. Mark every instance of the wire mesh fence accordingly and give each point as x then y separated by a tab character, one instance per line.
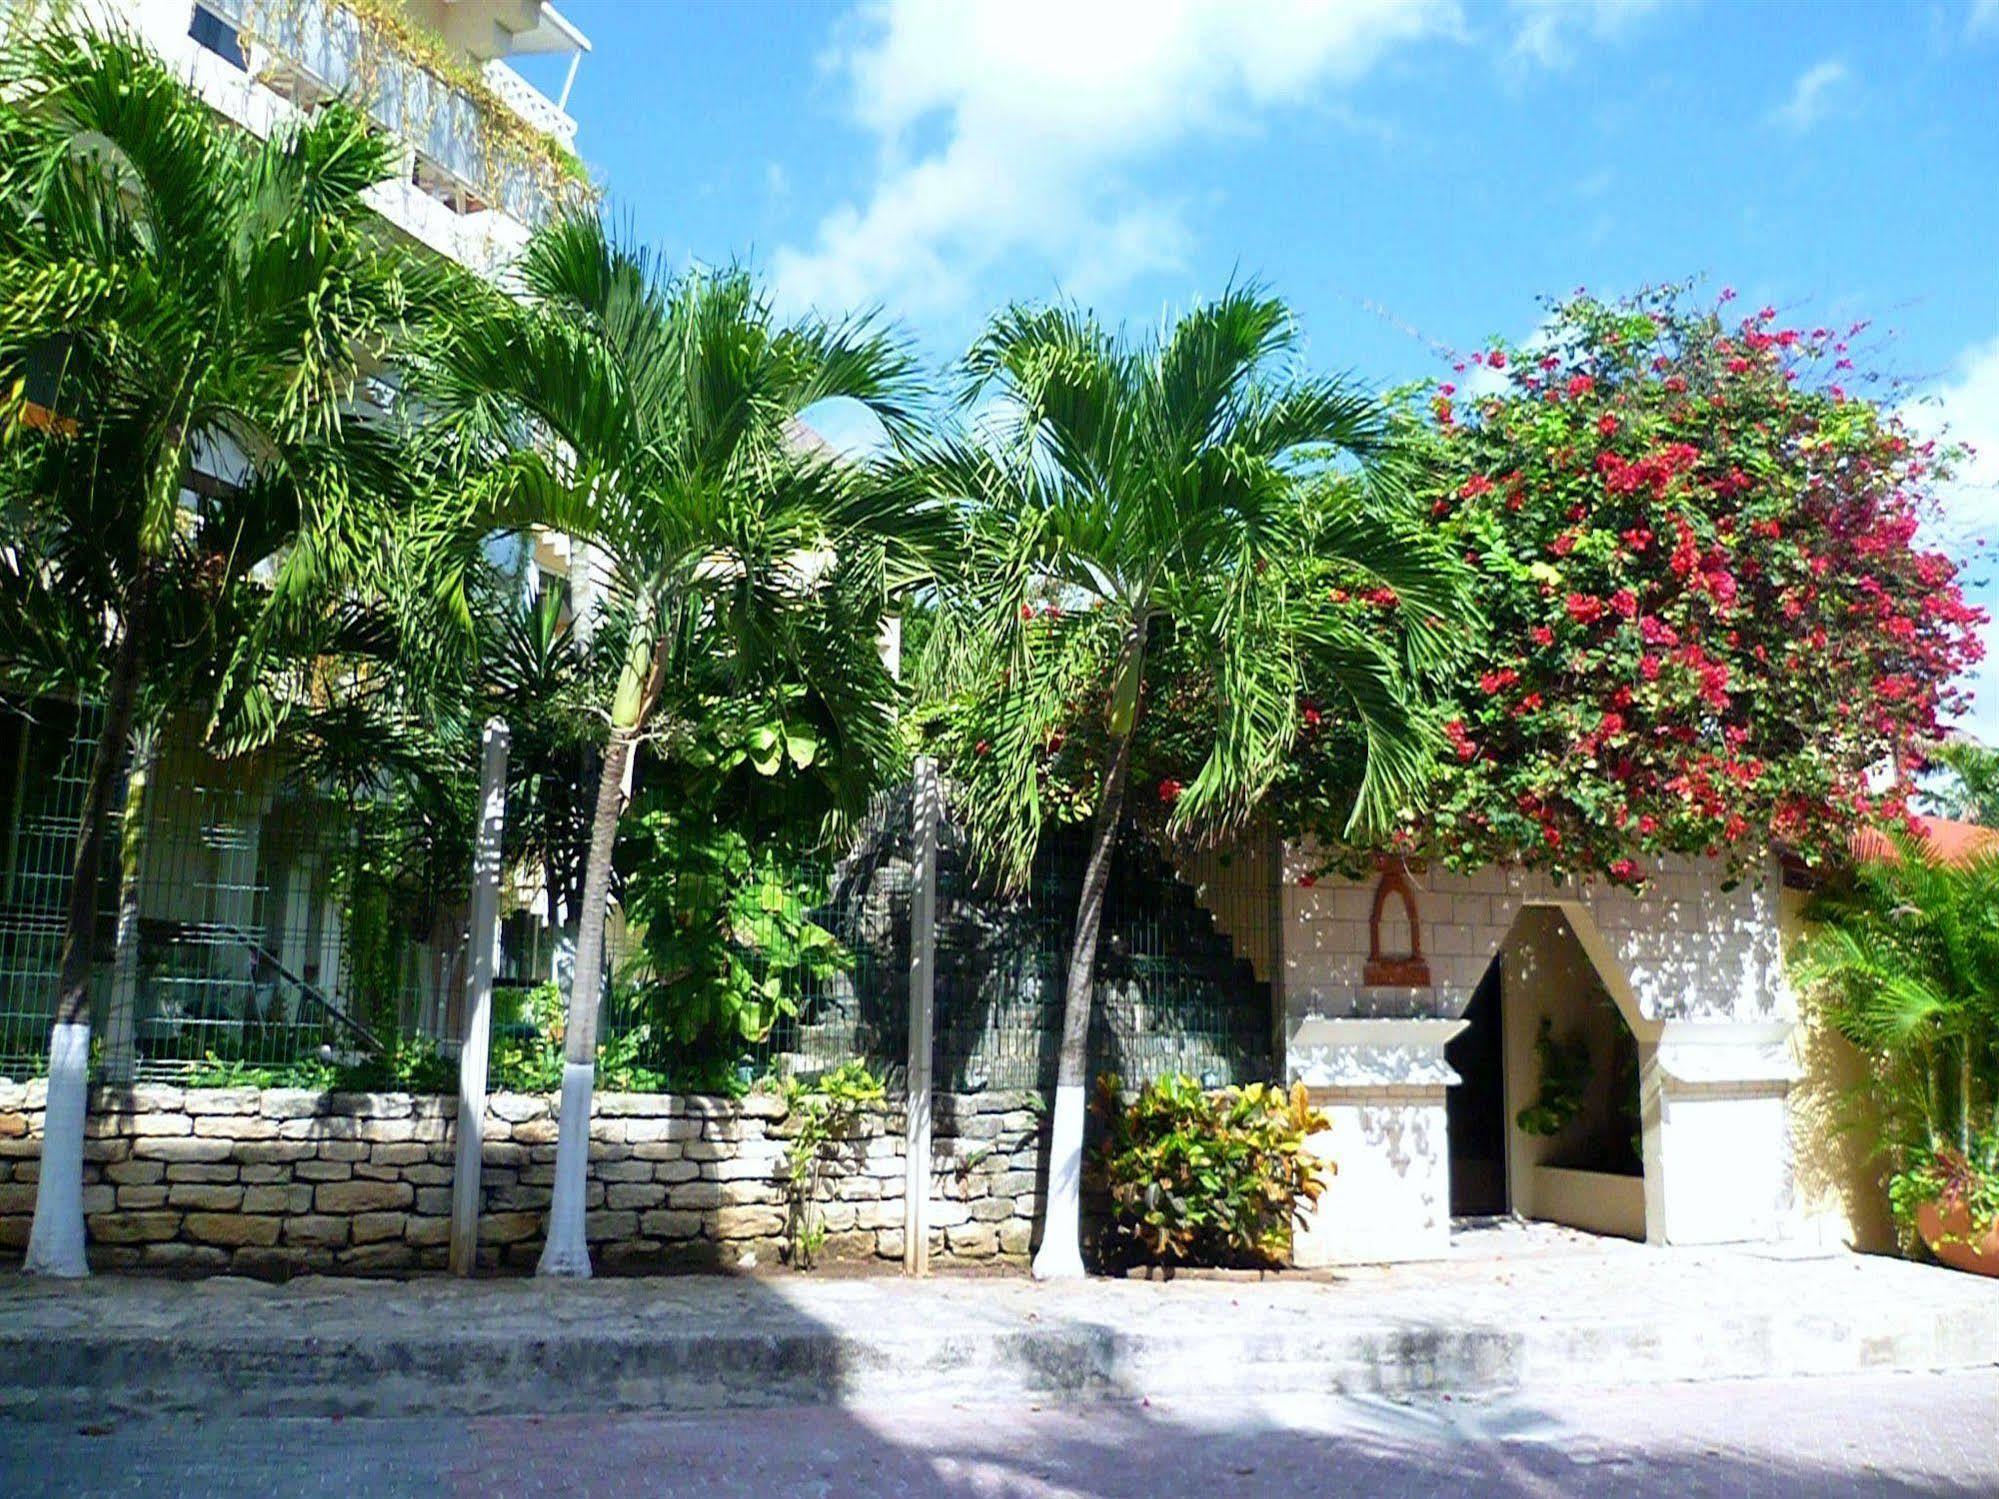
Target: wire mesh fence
45	756
1172	994
254	930
275	931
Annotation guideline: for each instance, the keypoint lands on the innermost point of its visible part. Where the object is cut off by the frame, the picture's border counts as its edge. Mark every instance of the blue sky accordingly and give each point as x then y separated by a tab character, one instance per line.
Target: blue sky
1409	174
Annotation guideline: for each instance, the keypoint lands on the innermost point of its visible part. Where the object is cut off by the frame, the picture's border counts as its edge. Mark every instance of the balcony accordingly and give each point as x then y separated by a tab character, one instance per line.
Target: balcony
491	141
536	109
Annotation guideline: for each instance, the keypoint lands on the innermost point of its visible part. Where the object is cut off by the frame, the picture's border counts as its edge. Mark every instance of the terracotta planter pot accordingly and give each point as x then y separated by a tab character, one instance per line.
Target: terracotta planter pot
1949	1238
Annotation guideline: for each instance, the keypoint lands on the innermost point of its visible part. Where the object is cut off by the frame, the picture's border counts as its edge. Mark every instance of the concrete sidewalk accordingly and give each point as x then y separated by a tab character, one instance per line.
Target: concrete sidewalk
1582	1313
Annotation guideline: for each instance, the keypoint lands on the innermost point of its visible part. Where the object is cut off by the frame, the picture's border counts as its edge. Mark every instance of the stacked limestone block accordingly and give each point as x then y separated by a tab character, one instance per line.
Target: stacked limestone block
280	1182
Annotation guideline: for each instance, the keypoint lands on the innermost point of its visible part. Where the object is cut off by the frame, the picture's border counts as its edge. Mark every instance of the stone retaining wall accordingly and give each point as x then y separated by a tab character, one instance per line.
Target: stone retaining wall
282	1181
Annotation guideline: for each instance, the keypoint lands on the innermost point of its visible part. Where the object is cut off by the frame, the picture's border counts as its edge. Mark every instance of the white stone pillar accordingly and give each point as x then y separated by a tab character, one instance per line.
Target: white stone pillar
1381	1084
1714	1096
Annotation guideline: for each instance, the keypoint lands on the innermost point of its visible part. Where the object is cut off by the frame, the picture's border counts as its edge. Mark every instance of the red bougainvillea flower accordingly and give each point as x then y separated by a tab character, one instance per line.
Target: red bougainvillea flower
1584	608
1730	612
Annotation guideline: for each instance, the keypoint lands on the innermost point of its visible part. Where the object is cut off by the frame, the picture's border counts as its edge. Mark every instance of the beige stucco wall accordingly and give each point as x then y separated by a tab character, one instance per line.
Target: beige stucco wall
1548	974
1840	1196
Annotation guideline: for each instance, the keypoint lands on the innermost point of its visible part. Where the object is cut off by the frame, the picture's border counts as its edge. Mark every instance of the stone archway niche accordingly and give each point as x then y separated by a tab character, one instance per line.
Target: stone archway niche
1547	974
1694	966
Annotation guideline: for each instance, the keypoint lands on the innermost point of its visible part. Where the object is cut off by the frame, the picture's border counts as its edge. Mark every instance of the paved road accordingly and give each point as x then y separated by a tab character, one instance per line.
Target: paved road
1870	1435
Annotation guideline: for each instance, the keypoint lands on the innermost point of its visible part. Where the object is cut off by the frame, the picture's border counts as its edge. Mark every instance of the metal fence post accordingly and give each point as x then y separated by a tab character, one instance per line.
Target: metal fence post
482	946
926	812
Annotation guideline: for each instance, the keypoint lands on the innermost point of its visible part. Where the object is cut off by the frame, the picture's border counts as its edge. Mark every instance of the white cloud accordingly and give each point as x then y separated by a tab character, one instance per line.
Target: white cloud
1965	410
1812	96
1547	30
1006	126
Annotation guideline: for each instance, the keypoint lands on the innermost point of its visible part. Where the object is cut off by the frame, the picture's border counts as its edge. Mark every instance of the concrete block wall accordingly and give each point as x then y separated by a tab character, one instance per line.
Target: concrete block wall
281	1181
1692	946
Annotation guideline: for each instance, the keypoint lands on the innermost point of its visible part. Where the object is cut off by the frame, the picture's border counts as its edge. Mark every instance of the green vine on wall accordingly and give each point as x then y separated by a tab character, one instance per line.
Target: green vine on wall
507	143
1565	1075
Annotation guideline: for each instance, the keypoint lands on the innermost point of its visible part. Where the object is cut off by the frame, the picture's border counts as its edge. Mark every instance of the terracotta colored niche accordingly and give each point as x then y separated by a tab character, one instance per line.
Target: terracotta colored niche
1407	970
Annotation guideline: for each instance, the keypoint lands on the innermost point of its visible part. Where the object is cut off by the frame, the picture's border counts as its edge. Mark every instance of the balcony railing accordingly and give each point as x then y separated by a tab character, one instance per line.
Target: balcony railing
533	106
500	150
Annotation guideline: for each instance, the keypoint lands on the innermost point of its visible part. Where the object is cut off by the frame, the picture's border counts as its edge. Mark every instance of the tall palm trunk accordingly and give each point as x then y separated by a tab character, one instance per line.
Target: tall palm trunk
1060	1255
56	1240
567	1251
121	1014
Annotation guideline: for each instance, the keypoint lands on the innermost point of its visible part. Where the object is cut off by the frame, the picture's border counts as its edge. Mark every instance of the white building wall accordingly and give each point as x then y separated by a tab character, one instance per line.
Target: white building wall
1695	965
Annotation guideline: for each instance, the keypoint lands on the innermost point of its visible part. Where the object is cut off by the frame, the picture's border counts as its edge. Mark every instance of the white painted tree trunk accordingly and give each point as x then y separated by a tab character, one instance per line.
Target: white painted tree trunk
1060	1256
567	1252
56	1241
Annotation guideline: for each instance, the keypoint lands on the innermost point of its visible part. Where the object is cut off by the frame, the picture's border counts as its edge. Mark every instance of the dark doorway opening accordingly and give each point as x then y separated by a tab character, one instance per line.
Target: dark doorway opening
1475	1109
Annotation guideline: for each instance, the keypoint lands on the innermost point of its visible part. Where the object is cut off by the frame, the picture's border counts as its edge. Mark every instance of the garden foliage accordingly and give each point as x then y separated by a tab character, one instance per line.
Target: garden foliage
1205	1178
1904	957
729	941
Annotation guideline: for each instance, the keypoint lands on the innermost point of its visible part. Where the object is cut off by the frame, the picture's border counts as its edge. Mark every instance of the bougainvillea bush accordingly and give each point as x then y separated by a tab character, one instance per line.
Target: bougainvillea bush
1707	609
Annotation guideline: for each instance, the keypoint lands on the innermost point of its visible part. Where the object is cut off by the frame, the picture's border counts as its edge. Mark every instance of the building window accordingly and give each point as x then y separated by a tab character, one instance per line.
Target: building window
210	31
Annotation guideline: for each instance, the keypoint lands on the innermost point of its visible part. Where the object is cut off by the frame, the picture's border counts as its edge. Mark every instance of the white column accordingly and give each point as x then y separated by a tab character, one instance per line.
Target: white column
1714	1096
926	810
1381	1085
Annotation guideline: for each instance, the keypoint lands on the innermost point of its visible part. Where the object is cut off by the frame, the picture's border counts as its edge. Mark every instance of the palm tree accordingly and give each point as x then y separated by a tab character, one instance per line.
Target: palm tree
1970	790
657	419
184	304
1907	952
1119	489
187	304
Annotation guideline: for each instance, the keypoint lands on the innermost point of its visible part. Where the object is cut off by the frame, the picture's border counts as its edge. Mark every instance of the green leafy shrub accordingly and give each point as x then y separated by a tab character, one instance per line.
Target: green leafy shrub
730	946
1565	1075
527	1056
822	1115
408	1064
1903	959
1952	1179
1205	1178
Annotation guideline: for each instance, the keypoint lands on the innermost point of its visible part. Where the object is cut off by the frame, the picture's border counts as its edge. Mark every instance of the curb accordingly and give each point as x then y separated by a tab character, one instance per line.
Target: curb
103	1370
